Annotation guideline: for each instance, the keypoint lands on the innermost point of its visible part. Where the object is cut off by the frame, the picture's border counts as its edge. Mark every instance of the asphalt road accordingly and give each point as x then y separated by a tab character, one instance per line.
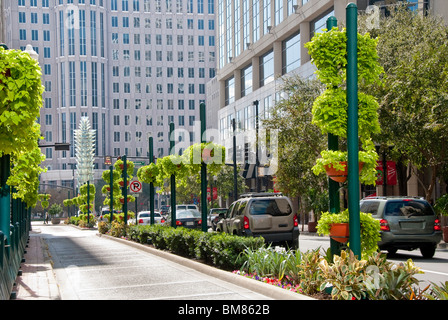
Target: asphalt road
92	267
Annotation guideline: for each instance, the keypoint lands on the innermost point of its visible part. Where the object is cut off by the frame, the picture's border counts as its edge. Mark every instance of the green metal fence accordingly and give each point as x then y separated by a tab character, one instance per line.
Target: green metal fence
12	251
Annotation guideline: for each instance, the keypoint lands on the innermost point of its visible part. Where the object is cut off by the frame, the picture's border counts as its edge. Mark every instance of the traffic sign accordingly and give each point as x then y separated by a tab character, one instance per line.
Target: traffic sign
135	186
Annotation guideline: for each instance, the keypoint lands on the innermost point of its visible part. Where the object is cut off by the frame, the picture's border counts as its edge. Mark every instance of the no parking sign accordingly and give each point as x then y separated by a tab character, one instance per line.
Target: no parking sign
135	186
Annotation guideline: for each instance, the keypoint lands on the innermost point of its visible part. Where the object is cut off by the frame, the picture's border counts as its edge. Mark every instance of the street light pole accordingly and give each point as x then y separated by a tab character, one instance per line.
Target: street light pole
151	185
203	172
235	173
173	180
352	129
257	184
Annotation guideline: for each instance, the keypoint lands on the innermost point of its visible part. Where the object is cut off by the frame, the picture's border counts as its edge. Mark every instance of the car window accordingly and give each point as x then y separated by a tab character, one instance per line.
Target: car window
141	215
241	208
191	207
370	206
274	207
229	211
408	208
188	214
234	211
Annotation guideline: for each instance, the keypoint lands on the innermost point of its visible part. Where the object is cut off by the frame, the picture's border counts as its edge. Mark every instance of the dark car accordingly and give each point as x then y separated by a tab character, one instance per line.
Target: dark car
164	210
407	223
214	215
187	218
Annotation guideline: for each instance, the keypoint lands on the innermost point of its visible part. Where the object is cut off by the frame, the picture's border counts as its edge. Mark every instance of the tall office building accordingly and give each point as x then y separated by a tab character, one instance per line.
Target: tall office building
131	66
259	42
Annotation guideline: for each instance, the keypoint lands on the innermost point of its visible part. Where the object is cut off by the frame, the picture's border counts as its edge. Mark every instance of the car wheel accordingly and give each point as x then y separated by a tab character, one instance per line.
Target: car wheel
428	251
392	251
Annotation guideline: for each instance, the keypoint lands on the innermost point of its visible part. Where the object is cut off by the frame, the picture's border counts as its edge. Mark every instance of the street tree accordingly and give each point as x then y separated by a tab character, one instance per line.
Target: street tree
413	99
300	142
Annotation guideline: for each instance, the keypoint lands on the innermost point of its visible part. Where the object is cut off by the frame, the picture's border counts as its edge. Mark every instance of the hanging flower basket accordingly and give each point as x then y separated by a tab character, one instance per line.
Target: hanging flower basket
339	175
339	232
122	200
121	183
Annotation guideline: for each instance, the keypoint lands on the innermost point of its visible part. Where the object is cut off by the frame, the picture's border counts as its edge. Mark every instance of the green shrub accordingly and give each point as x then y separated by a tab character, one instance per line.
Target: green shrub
222	250
103	227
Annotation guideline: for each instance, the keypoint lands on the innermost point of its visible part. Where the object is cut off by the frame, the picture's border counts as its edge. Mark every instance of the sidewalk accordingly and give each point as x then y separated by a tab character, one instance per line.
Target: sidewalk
36	281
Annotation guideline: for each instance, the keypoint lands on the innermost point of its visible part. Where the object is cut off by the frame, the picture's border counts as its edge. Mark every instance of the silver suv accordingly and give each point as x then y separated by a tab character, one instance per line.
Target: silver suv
406	223
268	215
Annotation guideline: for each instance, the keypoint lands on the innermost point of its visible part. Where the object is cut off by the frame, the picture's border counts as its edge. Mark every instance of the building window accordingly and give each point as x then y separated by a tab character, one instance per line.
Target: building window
291	53
246	81
320	23
230	91
266	68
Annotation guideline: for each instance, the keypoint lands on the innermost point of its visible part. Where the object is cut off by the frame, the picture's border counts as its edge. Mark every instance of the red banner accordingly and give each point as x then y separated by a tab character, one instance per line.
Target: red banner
215	193
391	173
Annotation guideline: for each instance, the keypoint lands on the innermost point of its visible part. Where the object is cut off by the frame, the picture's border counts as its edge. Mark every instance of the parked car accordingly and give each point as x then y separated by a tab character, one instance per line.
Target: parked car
106	211
189	218
180	207
407	223
164	210
214	215
268	215
144	217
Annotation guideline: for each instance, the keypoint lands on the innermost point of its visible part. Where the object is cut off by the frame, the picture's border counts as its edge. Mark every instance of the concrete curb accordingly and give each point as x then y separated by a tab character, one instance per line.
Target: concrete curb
271	291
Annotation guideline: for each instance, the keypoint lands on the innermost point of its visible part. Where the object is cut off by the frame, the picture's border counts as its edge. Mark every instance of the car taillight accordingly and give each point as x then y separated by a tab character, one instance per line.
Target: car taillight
178	223
246	223
437	226
140	220
200	222
384	225
162	220
296	222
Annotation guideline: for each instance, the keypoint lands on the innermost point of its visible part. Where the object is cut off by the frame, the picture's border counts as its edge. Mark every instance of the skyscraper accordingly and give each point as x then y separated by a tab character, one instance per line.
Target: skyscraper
131	66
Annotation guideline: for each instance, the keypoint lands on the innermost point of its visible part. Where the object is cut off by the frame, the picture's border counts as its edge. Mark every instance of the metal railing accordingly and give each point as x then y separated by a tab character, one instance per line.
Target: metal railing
12	251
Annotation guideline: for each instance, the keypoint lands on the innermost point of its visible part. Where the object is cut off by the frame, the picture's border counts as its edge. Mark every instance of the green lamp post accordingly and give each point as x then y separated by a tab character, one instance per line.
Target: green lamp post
352	129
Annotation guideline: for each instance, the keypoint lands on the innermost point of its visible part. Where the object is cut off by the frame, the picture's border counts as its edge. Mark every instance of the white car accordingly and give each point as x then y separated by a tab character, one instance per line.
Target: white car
144	217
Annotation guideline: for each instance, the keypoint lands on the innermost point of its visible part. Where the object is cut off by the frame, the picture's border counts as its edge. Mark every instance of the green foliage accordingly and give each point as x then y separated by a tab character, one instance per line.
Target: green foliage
389	281
148	174
413	115
299	140
55	209
438	292
328	52
103	227
441	205
185	166
370	229
345	275
117	173
220	249
20	100
333	158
